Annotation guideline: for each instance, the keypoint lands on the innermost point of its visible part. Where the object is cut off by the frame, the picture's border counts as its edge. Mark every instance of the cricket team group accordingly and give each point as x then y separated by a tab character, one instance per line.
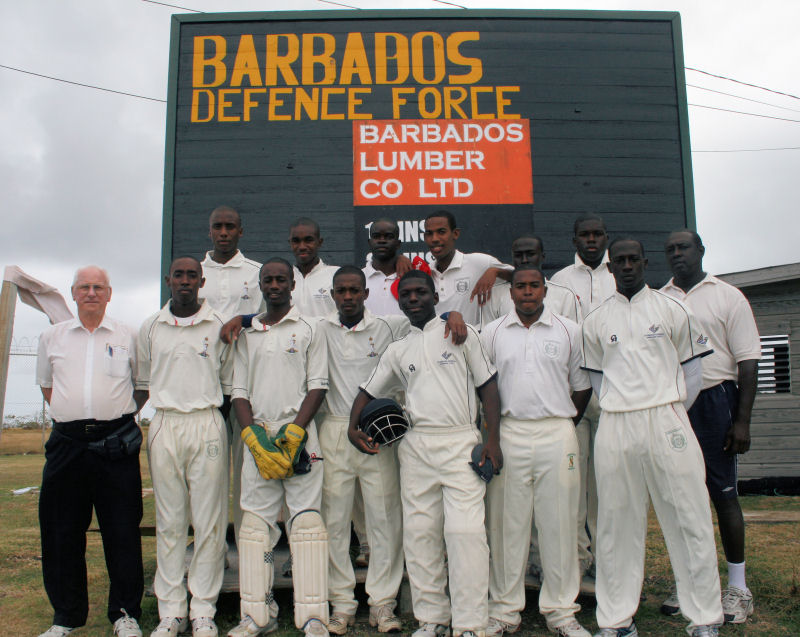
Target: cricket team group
544	416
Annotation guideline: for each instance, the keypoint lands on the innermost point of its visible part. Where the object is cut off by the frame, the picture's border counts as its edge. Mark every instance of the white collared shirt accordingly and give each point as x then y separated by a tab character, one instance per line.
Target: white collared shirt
91	373
725	314
231	288
538	366
277	365
592	287
438	377
455	284
381	301
639	346
353	354
312	293
185	367
559	299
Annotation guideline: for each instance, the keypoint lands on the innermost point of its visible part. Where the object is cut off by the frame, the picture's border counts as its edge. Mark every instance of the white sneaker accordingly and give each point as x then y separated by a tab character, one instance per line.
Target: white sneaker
497	627
57	631
170	627
315	628
628	631
570	628
671	606
248	627
204	627
737	605
127	626
338	623
709	630
431	630
384	619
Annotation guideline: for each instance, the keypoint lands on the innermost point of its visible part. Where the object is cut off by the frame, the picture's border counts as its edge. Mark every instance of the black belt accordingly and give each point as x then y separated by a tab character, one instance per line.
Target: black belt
91	429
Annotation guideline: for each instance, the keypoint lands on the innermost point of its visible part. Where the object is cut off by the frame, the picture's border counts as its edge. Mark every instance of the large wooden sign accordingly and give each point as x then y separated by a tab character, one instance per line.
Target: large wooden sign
516	121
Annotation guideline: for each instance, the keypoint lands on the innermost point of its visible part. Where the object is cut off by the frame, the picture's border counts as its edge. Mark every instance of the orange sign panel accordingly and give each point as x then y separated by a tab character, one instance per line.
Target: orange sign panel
416	162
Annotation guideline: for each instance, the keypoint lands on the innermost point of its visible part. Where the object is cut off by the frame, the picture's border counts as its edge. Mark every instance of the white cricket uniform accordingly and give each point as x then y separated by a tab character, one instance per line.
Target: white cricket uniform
275	368
442	496
538	369
592	287
725	314
312	293
455	284
187	369
381	301
232	288
559	300
352	356
645	445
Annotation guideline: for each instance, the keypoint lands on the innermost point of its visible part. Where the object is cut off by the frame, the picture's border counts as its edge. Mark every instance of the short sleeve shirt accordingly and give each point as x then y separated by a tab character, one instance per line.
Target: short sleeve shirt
185	367
538	366
381	301
439	378
591	286
277	365
639	346
353	354
91	373
312	293
725	313
231	288
559	300
455	284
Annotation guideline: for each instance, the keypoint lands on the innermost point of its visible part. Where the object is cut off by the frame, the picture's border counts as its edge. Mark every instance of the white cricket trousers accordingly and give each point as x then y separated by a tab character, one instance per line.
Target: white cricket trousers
188	455
443	505
236	454
653	451
265	498
346	468
541	472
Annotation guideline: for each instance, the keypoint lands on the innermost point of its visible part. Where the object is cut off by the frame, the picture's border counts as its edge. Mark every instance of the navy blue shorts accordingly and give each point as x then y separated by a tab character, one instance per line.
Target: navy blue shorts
711	417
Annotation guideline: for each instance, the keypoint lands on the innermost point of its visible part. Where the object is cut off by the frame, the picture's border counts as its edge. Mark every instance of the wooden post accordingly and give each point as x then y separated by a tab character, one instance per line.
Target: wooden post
8	301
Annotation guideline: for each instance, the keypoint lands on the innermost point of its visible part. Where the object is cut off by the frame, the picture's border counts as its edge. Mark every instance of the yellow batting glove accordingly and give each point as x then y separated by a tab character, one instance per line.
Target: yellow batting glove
271	461
291	439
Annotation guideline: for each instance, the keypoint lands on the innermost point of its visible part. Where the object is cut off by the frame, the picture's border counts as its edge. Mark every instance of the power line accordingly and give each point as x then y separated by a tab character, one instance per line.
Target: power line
730	79
746	150
174	6
98	88
739	97
728	110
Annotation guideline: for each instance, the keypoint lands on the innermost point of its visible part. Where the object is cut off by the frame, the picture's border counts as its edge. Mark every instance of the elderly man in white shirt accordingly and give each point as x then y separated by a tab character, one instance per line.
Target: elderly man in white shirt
188	372
86	369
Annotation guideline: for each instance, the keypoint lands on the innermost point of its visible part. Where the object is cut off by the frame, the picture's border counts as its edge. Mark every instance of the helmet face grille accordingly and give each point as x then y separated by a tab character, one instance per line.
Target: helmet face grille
387	429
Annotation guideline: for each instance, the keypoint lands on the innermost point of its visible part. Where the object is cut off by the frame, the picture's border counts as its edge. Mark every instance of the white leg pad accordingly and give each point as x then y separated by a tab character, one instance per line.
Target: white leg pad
255	568
308	540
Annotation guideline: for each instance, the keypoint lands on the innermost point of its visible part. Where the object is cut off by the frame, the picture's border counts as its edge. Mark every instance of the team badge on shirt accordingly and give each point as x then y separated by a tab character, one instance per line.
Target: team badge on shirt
204	353
447	358
551	349
246	295
462	286
654	331
702	340
292	349
372	353
321	293
571	460
677	439
613	339
411	368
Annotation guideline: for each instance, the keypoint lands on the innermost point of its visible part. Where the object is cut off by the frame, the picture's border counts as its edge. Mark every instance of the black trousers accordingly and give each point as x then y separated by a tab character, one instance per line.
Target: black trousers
74	481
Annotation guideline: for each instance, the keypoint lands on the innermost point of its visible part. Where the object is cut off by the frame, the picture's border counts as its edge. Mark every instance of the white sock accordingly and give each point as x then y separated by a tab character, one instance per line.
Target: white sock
736	576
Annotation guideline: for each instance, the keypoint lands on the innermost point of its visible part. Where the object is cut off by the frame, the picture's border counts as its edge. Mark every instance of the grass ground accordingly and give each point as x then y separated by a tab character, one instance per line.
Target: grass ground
773	550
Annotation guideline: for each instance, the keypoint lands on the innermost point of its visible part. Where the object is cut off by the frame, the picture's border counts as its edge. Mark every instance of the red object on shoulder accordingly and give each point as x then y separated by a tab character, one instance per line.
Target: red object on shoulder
418	263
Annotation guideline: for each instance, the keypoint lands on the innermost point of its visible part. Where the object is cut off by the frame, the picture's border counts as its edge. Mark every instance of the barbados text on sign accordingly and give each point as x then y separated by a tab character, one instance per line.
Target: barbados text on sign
424	162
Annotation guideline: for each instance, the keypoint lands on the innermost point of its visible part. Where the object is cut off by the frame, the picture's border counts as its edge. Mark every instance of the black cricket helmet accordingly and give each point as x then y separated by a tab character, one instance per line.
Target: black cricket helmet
384	420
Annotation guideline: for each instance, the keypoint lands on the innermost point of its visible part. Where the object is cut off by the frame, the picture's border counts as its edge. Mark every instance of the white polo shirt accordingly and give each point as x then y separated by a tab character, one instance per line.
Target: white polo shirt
438	377
559	299
231	288
277	365
592	287
91	373
185	367
353	354
380	301
455	284
725	314
312	293
639	346
538	366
